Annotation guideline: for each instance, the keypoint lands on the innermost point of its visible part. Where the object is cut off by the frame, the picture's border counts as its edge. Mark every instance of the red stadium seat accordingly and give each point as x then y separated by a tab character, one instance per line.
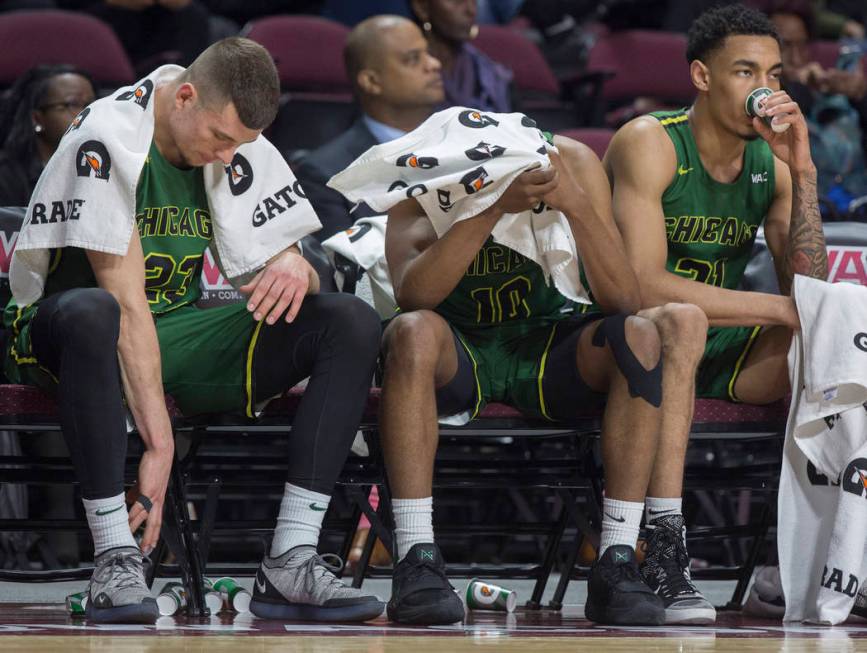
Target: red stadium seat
308	51
596	139
31	38
644	63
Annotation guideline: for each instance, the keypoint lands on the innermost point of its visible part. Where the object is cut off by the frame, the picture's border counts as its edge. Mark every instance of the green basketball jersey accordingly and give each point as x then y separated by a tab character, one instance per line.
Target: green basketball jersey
174	224
710	226
505	289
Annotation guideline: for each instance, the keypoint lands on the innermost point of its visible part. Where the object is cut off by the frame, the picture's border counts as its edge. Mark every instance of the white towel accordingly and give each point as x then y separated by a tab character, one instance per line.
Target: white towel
364	245
458	163
86	195
822	505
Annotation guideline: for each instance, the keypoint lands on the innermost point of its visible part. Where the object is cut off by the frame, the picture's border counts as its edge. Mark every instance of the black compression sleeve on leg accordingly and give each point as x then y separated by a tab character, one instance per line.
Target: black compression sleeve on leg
643	383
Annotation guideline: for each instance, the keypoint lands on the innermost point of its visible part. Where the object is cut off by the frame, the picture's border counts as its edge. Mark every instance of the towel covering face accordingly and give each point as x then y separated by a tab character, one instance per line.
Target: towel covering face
458	163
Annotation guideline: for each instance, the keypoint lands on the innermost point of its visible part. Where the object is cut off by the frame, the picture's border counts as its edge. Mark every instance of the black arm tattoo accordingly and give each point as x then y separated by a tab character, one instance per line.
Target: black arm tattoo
805	252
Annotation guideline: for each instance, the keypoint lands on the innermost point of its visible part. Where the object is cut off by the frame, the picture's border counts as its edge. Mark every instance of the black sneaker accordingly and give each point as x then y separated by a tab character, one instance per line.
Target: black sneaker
666	571
617	594
860	607
420	591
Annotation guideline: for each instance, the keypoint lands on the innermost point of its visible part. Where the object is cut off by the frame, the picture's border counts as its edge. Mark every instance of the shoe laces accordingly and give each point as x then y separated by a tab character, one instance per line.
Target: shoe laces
665	550
419	569
613	574
124	568
312	581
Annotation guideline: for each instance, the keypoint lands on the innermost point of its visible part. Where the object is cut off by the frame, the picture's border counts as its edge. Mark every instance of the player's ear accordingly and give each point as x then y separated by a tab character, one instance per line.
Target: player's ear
700	75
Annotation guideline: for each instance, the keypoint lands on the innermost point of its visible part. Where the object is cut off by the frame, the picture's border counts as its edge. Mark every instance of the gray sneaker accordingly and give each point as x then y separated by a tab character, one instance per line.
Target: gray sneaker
666	570
300	585
117	591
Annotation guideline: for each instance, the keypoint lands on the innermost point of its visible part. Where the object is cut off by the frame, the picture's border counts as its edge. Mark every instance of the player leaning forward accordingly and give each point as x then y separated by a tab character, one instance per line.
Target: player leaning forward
105	277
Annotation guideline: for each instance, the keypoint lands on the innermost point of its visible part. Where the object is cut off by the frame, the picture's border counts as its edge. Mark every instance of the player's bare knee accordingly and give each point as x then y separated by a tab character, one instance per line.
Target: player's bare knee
683	328
643	339
412	341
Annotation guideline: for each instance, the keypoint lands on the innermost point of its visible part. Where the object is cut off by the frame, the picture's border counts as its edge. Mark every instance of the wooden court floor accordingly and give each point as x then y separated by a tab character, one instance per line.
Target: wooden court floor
46	628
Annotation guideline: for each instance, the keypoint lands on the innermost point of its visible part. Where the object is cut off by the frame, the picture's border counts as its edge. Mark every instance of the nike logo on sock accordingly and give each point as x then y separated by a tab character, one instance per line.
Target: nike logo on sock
313	506
620	519
660	512
102	511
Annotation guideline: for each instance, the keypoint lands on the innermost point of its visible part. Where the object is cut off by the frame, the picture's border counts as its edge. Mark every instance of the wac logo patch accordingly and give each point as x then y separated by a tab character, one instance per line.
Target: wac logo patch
476	120
76	122
141	95
476	180
484	151
92	160
240	174
412	161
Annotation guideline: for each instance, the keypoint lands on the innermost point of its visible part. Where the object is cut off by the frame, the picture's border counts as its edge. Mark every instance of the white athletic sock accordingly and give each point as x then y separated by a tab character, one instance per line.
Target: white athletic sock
413	523
620	523
655	507
300	519
109	523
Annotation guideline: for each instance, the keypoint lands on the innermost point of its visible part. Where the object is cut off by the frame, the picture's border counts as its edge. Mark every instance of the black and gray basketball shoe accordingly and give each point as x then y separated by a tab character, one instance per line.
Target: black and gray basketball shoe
420	591
666	571
300	585
117	590
617	594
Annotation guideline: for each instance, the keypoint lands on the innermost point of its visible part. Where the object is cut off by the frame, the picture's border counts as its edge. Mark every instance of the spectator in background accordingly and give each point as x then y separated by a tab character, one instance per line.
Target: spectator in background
150	29
839	18
33	117
833	102
471	79
397	83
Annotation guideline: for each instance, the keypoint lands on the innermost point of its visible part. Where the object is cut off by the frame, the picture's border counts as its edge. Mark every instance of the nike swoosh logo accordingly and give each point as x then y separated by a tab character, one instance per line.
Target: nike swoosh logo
102	512
661	512
260	585
620	519
313	506
682	171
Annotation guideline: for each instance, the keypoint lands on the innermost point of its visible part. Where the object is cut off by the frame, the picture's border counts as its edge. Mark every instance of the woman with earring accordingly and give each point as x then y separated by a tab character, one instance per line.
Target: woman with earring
34	114
471	79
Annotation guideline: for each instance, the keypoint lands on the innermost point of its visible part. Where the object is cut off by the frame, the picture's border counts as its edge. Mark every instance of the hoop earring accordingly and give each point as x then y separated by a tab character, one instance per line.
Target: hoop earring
474	32
426	26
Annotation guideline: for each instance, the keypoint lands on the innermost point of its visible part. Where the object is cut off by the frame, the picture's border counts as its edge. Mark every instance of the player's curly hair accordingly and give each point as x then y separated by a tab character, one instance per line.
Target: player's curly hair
710	30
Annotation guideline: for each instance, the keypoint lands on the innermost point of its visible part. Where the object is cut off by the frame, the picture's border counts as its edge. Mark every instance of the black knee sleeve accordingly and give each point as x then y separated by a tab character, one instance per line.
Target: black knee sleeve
643	383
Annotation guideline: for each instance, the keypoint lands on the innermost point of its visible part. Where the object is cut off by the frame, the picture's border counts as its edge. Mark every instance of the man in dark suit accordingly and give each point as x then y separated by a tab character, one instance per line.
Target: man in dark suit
397	83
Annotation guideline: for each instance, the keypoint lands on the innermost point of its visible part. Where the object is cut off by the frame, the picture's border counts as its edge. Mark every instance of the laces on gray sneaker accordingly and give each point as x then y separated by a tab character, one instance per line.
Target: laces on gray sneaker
120	576
666	564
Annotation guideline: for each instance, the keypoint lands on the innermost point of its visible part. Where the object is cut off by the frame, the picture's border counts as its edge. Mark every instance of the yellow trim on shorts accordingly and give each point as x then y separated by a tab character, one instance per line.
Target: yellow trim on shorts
542	372
674	120
740	363
31	360
475	375
248	382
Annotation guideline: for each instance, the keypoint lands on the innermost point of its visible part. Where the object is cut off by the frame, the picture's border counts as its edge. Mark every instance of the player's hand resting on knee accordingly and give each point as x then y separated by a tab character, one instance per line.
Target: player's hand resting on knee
280	287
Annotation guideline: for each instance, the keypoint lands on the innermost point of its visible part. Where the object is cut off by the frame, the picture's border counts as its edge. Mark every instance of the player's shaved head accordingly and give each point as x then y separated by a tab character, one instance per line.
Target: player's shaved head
367	43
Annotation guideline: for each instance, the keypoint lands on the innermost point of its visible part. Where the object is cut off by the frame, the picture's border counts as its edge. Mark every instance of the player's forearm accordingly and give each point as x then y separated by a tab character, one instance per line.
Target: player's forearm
429	278
805	249
603	255
722	306
141	372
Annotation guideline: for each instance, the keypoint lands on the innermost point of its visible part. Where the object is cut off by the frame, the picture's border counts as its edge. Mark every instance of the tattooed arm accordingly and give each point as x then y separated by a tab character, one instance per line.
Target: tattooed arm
793	227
